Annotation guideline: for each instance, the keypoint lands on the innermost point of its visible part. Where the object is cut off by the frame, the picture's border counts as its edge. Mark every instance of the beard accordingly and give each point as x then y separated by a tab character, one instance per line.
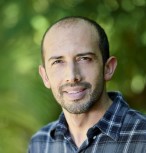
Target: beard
81	105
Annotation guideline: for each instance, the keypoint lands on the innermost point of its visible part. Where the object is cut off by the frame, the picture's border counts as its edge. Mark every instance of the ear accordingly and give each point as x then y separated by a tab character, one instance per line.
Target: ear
44	76
110	67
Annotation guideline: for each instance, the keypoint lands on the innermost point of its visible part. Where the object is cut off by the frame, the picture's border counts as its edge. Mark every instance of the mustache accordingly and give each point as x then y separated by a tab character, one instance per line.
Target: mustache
81	84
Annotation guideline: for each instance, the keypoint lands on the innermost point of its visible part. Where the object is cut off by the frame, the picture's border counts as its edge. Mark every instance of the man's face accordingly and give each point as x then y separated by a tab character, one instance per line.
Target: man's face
74	67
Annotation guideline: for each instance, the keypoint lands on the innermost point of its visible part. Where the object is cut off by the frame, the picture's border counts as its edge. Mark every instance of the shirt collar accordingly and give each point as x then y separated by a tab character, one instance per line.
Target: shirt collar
61	127
109	124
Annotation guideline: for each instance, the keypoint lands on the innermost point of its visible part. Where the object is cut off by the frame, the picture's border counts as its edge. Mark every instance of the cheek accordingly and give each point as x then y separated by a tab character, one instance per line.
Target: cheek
55	78
94	76
91	72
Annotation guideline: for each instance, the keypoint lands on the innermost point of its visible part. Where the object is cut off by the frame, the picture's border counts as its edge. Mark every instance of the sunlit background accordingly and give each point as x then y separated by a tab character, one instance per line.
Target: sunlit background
25	104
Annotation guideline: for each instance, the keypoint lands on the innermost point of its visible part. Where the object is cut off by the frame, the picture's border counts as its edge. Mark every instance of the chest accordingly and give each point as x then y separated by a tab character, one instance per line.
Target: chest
99	144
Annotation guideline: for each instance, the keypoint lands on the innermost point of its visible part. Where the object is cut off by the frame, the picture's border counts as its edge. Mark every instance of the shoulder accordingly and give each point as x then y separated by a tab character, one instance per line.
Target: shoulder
40	138
44	133
134	120
134	115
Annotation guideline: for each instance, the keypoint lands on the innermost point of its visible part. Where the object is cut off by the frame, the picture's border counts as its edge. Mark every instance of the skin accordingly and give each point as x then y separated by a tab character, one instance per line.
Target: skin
75	73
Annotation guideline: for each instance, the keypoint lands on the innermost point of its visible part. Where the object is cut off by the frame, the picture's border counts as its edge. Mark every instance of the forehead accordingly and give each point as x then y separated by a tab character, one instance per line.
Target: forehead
72	25
69	34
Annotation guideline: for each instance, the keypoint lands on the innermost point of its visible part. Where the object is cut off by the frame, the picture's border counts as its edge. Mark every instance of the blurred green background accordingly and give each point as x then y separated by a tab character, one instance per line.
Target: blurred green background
25	104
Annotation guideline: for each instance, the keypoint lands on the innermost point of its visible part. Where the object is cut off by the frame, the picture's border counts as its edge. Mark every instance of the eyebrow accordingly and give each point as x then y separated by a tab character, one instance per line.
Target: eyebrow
87	53
55	57
81	54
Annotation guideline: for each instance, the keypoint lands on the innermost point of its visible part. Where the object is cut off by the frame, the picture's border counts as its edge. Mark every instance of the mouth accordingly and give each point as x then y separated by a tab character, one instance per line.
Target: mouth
75	93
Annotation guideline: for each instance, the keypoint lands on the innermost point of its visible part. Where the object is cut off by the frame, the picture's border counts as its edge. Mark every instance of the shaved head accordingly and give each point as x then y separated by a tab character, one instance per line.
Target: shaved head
69	22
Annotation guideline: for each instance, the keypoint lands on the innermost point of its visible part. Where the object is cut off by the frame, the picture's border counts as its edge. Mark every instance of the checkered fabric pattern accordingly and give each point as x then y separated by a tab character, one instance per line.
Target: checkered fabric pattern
120	130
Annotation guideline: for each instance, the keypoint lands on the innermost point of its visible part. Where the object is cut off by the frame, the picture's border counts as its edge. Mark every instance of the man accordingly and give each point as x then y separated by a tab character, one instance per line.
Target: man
76	67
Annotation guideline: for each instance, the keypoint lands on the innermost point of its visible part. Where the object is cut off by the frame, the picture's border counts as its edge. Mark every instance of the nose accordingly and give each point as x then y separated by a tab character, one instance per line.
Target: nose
73	73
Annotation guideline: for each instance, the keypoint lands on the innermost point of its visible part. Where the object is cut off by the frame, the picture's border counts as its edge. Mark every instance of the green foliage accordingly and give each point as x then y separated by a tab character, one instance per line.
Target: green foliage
25	104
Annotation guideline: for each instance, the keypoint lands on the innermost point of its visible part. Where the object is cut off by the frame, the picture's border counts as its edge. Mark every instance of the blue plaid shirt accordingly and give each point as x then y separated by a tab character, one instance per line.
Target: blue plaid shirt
120	130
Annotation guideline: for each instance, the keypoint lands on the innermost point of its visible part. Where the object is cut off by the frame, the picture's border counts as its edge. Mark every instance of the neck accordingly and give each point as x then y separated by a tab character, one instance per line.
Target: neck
80	123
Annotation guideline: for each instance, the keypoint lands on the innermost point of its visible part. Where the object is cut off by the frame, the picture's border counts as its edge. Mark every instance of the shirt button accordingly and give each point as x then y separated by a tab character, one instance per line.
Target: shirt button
94	137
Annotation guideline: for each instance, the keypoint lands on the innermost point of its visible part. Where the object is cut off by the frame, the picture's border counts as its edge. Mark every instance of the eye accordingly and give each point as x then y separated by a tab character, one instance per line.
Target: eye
57	62
84	58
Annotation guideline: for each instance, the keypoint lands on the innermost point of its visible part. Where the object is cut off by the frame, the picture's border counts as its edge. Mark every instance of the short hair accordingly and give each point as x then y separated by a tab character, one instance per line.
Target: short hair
103	40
